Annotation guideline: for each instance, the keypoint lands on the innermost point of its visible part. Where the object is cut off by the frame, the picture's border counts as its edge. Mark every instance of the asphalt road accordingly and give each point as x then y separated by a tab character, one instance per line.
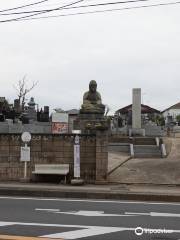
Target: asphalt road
88	219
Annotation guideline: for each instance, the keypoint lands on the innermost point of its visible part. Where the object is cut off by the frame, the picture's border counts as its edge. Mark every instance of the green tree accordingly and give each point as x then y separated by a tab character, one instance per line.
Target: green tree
178	118
159	120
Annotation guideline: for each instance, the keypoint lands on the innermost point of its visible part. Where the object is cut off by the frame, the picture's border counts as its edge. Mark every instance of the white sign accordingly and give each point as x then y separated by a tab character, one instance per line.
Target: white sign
26	137
60	117
77	161
76	140
76	131
25	154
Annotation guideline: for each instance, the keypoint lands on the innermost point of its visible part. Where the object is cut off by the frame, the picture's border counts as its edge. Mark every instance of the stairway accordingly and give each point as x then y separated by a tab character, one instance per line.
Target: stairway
118	147
147	151
144	141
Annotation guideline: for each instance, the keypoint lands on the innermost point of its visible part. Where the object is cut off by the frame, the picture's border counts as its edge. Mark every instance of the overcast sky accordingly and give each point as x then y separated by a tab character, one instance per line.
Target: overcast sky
120	50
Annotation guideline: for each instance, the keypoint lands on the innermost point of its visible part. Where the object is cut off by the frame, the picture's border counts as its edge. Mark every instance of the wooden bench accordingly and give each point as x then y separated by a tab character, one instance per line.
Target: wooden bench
55	169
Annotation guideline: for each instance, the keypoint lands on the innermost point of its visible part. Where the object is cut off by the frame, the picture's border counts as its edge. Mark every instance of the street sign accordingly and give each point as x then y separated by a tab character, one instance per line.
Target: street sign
25	154
26	137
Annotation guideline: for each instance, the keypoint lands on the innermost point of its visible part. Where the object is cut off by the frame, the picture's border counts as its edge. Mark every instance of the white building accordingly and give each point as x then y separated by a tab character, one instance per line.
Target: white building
171	113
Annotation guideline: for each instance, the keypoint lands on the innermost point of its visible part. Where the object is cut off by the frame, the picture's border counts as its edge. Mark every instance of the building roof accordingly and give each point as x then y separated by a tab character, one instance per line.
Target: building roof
144	109
175	106
73	111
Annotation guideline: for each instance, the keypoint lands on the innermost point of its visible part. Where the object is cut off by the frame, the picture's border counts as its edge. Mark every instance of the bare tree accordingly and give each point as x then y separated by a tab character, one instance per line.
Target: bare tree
22	90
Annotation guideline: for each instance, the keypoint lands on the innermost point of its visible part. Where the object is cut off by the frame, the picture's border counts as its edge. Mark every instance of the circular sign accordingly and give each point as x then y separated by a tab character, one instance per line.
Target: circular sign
26	137
76	139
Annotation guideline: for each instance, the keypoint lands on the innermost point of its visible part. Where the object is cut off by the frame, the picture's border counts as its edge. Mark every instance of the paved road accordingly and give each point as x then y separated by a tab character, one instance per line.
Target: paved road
83	219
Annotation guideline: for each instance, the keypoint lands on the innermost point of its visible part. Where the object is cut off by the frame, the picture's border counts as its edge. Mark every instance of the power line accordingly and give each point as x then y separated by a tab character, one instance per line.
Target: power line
23	6
26	18
75	7
45	11
107	10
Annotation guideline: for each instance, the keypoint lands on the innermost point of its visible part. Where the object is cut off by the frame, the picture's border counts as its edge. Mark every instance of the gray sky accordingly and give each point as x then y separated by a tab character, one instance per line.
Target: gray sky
120	50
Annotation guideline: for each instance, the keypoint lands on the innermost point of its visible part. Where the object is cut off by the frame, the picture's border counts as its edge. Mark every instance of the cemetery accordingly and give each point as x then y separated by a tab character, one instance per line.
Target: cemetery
76	144
57	145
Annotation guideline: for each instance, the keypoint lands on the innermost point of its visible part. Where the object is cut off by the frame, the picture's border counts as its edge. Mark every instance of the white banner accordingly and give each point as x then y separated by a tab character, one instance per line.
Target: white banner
25	154
77	161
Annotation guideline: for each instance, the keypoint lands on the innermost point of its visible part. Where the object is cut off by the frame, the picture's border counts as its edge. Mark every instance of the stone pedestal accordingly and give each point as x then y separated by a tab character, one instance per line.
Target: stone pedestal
90	123
101	157
136	132
97	124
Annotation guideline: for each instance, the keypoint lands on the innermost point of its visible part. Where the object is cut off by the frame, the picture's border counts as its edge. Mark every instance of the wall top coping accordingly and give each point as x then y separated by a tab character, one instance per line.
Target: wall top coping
49	134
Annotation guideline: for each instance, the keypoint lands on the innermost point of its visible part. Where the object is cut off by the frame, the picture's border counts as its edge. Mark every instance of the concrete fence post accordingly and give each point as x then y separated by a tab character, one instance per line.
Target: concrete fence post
132	150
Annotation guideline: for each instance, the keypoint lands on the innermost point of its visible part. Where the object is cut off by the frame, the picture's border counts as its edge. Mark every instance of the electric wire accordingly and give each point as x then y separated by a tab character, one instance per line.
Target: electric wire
45	11
75	7
103	11
23	6
65	7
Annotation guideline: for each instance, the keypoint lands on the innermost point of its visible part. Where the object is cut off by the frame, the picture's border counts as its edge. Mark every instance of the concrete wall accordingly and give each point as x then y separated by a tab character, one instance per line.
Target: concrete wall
36	127
54	149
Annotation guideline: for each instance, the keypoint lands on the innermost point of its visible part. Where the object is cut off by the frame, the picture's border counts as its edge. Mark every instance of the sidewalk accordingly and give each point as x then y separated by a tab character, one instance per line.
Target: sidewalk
141	192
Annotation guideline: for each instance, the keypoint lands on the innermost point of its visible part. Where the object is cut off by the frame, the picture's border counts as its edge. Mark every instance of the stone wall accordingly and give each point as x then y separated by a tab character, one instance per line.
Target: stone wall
54	149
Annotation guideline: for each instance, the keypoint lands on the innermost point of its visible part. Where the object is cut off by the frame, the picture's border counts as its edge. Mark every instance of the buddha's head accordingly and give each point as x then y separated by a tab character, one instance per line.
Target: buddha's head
92	86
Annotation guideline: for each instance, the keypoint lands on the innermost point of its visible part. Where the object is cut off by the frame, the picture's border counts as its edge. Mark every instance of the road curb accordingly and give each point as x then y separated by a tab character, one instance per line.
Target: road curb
110	195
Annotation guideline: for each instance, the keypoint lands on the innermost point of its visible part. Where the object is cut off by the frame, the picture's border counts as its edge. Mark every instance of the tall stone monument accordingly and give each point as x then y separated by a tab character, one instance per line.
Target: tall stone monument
136	108
136	113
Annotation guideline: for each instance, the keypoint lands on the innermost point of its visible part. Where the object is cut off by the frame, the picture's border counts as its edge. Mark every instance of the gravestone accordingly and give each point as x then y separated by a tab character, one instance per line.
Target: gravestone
31	111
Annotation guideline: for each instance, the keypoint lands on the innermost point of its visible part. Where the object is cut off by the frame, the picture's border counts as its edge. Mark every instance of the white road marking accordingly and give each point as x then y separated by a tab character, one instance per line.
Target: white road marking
155	214
52	225
84	213
94	214
2	224
47	209
85	232
102	214
91	201
92	231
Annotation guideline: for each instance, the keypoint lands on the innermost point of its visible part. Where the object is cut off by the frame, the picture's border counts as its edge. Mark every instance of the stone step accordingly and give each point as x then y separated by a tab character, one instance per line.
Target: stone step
147	155
147	151
145	141
119	147
146	148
